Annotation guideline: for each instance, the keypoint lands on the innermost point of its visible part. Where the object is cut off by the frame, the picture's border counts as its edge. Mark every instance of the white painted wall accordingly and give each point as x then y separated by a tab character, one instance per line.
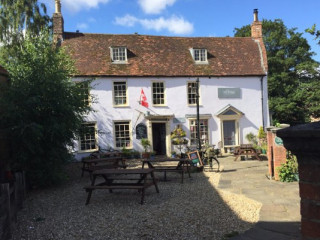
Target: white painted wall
176	104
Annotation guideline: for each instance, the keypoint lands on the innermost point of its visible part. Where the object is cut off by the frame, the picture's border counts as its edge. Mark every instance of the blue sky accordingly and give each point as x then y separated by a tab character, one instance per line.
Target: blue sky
214	18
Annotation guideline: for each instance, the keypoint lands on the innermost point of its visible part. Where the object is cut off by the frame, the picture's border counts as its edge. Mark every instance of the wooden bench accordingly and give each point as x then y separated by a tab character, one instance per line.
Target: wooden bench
166	169
92	164
179	168
247	150
126	175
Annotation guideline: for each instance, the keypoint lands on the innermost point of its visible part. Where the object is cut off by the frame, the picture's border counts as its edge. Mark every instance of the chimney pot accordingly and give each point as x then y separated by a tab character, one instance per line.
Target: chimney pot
58	6
255	15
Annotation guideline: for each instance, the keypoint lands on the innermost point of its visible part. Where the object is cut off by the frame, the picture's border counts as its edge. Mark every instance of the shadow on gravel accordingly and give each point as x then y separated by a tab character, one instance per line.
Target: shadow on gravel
192	210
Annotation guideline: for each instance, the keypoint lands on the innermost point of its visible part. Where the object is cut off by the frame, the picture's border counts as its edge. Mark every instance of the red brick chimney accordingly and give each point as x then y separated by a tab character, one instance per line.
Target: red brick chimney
256	26
58	23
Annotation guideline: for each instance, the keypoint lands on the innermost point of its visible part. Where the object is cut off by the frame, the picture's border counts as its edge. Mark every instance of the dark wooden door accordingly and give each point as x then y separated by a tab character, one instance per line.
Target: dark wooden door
159	138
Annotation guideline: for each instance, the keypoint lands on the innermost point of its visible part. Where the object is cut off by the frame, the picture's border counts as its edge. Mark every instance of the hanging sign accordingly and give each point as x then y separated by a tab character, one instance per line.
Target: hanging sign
141	131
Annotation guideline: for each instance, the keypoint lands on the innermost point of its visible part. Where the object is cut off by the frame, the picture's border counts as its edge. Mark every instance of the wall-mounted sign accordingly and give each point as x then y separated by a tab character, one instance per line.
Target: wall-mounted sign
141	131
229	92
278	141
179	120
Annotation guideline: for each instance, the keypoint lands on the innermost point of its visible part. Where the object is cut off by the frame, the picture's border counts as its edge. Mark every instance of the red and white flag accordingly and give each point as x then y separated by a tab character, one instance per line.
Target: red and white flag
143	99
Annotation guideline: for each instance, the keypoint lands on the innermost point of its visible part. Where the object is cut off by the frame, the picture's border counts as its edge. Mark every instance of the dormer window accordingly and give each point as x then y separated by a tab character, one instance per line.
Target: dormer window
118	54
199	55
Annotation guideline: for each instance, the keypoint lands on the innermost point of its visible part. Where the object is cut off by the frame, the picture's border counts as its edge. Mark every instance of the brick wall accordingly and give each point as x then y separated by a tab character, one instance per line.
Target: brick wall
303	141
277	153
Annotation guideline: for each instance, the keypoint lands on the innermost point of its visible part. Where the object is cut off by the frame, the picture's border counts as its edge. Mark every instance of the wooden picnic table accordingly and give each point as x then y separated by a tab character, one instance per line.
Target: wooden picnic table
177	165
106	154
90	164
123	179
247	150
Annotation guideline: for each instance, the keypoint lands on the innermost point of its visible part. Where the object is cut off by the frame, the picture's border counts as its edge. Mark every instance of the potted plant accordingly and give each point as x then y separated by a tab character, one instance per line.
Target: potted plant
146	145
173	154
262	136
178	138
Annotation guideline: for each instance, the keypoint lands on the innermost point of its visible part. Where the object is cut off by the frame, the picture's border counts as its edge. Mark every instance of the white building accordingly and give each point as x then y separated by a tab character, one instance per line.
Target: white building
232	75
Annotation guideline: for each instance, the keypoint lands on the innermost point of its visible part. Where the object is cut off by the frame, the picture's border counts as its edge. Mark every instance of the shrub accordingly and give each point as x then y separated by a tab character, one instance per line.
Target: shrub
252	139
288	172
42	109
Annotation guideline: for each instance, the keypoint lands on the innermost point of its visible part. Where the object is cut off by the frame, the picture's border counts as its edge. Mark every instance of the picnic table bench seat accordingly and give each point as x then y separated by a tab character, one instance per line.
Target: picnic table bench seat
92	164
246	150
179	167
132	179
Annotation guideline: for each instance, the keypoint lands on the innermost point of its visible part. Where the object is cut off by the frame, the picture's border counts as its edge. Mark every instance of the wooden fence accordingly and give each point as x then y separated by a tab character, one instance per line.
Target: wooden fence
12	196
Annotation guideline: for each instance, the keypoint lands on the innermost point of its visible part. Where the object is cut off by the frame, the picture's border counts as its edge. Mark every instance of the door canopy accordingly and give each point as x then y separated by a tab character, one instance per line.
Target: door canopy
229	112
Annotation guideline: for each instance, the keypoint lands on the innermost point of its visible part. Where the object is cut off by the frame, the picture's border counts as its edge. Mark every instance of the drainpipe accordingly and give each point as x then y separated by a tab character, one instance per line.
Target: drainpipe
261	86
198	117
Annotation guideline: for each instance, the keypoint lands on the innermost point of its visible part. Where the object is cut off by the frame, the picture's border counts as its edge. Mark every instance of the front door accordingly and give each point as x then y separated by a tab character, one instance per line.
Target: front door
159	138
229	133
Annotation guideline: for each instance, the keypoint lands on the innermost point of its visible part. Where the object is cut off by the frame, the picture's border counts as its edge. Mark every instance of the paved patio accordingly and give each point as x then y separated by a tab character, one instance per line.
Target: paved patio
280	213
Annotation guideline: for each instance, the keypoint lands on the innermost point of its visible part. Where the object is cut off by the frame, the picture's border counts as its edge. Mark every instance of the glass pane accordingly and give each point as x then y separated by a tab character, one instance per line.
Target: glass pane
229	132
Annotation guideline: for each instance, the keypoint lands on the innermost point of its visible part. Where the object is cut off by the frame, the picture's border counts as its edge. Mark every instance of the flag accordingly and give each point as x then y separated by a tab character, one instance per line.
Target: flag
143	99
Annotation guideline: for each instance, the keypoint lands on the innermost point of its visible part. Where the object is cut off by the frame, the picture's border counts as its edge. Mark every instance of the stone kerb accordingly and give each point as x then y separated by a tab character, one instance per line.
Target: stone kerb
303	141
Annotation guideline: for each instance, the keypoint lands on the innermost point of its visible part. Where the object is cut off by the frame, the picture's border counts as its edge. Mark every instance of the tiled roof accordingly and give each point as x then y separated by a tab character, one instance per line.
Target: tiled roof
165	56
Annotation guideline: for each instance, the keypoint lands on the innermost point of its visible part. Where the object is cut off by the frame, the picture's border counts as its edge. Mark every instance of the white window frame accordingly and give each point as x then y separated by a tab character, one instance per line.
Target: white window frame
87	100
115	133
90	139
195	98
153	93
114	92
117	53
205	140
200	55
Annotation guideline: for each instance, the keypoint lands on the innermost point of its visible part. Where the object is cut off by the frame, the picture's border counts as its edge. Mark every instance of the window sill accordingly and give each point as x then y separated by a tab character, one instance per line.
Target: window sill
120	106
119	63
160	105
195	105
88	151
202	63
120	149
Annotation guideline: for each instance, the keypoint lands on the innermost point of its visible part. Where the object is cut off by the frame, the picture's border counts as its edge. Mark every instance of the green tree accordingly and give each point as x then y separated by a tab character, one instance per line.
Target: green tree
20	16
291	72
313	31
42	108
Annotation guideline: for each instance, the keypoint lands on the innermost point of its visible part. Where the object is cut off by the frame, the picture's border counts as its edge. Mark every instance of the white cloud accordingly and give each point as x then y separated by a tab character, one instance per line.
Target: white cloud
128	20
174	24
155	6
77	5
82	26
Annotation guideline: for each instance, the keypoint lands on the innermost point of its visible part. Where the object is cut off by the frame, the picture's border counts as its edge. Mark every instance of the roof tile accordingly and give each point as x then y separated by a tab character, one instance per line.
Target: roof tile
164	56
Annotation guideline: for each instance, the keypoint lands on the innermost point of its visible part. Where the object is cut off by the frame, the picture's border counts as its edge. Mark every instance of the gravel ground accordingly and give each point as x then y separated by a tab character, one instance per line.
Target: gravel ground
193	210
